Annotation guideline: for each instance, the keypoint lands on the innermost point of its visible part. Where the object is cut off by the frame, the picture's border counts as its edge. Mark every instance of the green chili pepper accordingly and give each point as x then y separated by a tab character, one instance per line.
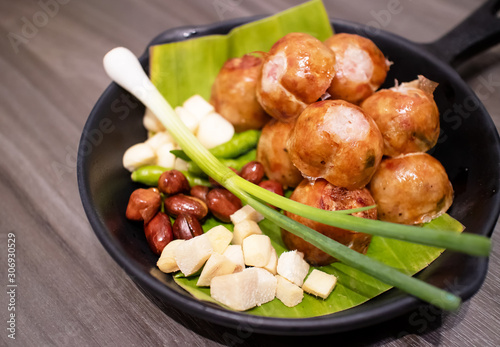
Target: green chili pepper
236	163
239	144
150	174
196	180
194	169
239	162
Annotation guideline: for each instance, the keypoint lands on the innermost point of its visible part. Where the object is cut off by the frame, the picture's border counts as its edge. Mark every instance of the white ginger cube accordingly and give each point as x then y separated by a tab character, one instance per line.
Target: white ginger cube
220	237
214	130
293	267
198	106
288	293
151	122
257	250
319	283
181	164
236	290
138	155
244	229
216	265
266	285
189	119
164	157
235	254
244	213
167	262
192	254
273	262
159	139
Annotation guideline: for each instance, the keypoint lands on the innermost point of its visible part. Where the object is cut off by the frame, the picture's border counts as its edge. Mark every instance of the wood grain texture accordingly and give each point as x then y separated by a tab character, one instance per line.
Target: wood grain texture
70	290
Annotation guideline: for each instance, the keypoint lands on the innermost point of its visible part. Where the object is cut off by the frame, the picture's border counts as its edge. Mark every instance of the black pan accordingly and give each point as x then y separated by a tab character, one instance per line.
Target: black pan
468	147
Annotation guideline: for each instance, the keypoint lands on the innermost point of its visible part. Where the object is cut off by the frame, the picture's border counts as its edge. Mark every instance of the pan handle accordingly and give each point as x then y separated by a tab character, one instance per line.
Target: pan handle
476	33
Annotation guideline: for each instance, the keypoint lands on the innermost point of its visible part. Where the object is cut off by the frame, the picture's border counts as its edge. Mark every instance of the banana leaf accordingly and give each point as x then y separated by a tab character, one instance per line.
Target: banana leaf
182	69
353	287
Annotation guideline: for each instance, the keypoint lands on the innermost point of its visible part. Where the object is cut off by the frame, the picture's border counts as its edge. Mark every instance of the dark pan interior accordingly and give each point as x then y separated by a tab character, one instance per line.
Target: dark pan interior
468	148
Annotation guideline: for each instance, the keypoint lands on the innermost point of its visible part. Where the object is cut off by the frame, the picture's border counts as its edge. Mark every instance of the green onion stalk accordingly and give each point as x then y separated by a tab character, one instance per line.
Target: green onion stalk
122	66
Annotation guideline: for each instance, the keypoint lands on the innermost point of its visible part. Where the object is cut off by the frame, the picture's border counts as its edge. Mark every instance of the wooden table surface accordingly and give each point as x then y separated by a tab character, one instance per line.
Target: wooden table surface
70	291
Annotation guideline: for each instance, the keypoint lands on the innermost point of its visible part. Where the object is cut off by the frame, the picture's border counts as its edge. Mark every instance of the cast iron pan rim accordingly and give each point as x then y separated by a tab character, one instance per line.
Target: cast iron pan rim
336	322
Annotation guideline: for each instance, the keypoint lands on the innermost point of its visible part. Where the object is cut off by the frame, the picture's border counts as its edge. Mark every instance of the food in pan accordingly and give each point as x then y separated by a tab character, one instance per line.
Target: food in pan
331	147
411	189
272	152
296	72
326	196
360	67
248	234
406	115
337	141
233	93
